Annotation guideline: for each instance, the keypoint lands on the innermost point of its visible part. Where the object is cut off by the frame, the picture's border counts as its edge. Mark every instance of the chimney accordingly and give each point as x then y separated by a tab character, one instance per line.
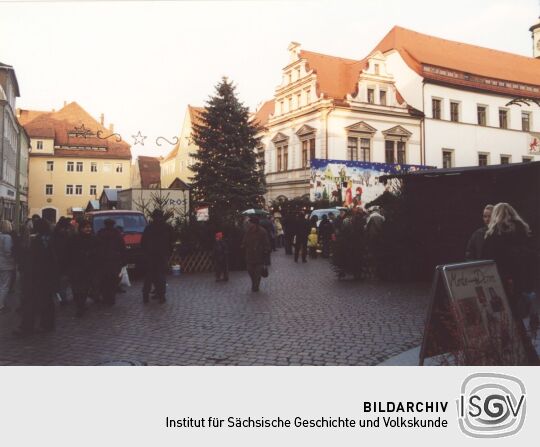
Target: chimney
65	104
111	127
102	119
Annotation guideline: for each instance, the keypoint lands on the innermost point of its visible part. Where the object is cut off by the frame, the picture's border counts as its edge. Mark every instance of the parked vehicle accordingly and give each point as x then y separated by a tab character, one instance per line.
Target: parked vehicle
130	223
320	213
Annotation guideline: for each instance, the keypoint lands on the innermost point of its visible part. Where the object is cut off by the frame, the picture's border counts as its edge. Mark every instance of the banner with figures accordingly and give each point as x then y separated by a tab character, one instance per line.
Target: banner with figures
348	183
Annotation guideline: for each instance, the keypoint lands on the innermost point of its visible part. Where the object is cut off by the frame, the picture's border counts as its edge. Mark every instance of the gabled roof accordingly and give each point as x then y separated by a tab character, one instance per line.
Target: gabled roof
417	49
58	125
336	76
195	118
262	115
149	170
111	194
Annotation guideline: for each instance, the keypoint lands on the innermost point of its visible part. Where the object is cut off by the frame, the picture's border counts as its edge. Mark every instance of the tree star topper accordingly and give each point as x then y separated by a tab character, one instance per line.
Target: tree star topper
139	139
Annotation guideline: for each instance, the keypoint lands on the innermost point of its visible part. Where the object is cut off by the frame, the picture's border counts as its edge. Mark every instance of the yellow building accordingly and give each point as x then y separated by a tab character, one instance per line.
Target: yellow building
71	160
177	163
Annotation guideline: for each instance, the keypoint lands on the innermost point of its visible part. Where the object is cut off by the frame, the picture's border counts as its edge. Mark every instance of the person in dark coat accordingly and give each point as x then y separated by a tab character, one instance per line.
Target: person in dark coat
288	233
157	244
83	265
256	244
111	259
60	240
473	251
302	228
221	258
326	230
40	279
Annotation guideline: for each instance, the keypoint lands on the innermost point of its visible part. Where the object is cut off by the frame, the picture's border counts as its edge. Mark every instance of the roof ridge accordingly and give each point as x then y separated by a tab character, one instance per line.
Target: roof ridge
430	36
333	57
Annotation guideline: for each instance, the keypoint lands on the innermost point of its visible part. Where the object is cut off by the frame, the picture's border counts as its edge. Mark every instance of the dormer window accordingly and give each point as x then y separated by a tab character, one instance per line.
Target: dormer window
39	144
371	96
382	97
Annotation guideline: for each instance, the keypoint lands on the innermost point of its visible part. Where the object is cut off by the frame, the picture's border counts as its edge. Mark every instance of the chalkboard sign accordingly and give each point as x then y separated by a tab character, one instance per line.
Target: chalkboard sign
470	317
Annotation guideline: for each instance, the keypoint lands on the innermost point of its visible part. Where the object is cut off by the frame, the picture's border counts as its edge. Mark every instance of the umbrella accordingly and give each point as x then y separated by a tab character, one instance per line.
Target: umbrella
253	211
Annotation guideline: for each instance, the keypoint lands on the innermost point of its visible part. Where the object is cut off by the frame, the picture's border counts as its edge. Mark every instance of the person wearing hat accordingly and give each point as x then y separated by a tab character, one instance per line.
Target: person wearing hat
156	243
111	259
256	244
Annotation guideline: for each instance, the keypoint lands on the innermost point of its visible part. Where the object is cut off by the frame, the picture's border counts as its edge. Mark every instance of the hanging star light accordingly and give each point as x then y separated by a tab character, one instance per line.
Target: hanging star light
139	139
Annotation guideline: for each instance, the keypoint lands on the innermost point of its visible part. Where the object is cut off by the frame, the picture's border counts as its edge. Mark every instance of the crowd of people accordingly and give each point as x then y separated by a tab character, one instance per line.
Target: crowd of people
51	259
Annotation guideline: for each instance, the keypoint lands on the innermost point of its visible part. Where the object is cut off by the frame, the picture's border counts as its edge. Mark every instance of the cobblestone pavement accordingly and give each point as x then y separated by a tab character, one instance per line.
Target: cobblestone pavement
302	316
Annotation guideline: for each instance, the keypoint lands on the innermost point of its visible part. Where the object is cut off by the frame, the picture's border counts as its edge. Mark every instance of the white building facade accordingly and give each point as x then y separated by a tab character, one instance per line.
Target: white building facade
416	99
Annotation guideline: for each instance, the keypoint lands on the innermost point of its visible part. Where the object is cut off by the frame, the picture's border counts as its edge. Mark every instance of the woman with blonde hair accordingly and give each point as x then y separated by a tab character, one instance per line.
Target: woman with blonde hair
509	243
7	261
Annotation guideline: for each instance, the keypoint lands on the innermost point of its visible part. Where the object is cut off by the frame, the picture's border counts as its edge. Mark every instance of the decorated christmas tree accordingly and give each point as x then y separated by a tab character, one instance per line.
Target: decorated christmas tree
228	172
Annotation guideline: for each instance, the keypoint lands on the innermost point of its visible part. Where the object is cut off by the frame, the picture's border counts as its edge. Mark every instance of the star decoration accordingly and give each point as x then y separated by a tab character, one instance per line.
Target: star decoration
139	139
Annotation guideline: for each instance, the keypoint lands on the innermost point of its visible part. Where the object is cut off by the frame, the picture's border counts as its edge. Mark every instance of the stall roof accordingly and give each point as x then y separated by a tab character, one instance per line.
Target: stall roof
464	170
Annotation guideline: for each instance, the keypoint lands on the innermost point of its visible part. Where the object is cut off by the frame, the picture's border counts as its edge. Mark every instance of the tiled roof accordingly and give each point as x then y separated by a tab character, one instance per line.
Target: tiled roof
195	114
336	76
262	115
149	170
417	49
58	124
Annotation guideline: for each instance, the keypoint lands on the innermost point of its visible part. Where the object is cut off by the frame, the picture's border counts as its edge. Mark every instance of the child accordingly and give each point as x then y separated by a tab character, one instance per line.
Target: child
221	258
313	242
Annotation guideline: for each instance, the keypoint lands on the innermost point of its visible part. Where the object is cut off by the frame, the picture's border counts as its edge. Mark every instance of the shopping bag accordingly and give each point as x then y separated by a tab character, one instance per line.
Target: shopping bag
124	277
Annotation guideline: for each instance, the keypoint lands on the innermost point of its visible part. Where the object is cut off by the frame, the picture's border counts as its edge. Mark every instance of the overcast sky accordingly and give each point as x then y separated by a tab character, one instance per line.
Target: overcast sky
141	63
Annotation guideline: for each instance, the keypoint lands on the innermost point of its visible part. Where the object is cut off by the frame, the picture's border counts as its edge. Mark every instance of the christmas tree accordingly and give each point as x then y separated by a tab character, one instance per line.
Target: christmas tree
229	171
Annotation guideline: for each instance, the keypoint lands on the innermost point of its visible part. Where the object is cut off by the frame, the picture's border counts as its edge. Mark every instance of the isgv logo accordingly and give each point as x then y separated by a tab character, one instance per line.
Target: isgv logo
491	405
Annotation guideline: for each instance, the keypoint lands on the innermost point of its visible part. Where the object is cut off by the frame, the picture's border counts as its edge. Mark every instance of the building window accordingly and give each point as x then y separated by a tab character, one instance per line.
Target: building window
69	190
282	158
39	144
436	108
447	159
454	111
505	159
395	152
119	167
298	100
382	97
297	73
371	96
50	165
289	103
79	166
78	190
481	112
503	118
526	159
308	151
376	69
526	121
482	159
49	190
107	167
118	186
365	149
70	166
389	152
401	159
93	190
93	166
308	96
352	148
105	186
282	107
